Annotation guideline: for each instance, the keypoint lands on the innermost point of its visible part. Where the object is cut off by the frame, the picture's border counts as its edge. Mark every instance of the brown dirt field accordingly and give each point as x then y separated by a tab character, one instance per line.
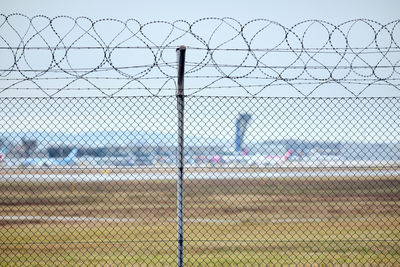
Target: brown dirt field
147	170
223	198
245	220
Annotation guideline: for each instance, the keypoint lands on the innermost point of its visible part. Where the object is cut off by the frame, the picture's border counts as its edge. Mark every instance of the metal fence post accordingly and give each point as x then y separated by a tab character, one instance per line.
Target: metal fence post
180	98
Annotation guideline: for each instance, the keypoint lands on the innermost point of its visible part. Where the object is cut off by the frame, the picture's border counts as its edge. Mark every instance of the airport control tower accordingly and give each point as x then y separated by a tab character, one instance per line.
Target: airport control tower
242	123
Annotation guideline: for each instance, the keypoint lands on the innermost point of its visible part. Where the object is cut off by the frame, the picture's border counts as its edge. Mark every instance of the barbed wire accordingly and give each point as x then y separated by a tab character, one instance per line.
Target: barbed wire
53	56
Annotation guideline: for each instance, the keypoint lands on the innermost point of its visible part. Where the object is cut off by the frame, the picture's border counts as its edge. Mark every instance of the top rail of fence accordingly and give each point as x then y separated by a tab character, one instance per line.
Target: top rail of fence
65	56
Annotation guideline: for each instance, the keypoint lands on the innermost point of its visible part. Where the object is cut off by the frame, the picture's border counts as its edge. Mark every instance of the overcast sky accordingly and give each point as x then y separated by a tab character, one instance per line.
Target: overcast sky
286	12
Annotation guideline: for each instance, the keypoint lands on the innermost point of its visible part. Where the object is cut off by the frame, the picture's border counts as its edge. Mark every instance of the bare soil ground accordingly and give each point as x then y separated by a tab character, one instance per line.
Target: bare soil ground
228	222
167	169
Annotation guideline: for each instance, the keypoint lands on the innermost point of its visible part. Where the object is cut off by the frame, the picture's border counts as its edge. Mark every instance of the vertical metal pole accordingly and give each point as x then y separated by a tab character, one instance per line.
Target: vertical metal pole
180	97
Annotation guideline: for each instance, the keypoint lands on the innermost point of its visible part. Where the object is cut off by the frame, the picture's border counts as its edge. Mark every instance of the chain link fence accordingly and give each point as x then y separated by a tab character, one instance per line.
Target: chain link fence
277	169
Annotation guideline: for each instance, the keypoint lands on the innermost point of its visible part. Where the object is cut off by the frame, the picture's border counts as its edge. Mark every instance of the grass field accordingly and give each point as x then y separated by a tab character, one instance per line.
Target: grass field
228	222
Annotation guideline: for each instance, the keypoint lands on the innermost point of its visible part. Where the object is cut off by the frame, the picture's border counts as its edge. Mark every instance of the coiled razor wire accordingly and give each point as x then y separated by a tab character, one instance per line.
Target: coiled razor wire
66	56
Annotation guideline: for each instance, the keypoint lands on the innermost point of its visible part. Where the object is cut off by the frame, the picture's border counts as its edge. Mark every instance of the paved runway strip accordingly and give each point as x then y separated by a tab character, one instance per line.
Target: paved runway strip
196	175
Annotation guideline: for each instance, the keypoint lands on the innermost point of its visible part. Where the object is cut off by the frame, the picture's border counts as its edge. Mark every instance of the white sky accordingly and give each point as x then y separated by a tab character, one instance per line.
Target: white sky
286	12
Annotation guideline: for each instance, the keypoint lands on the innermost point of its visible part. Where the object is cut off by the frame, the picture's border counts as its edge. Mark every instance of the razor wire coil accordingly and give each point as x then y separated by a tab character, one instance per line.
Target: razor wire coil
222	53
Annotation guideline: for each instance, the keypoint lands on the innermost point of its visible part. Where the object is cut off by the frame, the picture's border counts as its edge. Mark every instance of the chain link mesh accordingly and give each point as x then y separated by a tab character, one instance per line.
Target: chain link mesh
334	200
91	179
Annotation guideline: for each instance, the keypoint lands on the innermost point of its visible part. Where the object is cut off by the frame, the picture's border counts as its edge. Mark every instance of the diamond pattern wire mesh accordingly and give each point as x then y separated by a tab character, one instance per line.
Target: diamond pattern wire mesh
115	204
292	145
334	199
